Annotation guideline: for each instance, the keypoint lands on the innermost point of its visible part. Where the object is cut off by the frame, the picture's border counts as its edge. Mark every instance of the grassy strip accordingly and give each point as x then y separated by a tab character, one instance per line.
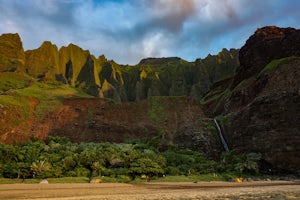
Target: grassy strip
216	96
49	96
156	111
11	81
275	63
179	178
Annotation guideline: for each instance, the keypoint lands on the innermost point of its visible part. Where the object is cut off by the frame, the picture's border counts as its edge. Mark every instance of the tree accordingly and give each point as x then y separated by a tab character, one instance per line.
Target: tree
249	163
39	167
242	163
23	170
145	166
97	168
129	156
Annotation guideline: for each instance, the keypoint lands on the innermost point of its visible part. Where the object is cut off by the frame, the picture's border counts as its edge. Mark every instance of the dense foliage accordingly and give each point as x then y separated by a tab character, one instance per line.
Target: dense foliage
58	157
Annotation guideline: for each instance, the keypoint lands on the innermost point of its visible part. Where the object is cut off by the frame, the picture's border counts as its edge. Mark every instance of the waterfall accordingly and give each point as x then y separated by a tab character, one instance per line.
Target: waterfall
221	135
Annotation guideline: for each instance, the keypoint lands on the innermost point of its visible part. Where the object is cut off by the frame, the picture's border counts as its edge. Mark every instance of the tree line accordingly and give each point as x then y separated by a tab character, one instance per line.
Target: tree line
58	157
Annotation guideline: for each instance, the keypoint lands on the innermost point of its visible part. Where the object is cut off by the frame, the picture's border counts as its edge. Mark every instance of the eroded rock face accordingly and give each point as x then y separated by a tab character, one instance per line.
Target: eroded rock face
270	125
265	106
222	65
12	57
267	43
163	121
43	61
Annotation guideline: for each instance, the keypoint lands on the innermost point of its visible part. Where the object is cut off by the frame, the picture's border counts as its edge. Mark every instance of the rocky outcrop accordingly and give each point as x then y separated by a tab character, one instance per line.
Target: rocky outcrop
12	57
270	122
86	79
112	82
222	65
43	61
176	77
263	101
267	43
71	61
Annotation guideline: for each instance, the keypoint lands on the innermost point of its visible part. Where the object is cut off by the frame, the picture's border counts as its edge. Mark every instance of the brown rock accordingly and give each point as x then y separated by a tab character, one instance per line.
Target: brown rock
268	43
268	121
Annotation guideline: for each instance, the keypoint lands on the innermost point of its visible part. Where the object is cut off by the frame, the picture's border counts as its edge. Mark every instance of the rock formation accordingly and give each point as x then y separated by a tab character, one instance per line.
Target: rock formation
12	57
103	78
269	123
267	43
43	61
261	102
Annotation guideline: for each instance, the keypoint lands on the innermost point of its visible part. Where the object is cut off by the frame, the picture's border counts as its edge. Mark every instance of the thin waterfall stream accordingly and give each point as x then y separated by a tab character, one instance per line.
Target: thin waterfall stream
221	135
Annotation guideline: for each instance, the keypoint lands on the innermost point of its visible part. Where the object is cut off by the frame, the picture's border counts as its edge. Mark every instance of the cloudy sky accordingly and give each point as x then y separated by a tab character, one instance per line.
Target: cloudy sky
129	30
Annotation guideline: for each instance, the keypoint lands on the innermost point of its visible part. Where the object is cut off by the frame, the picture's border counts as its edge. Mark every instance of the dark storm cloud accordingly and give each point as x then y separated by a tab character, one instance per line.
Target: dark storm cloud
128	30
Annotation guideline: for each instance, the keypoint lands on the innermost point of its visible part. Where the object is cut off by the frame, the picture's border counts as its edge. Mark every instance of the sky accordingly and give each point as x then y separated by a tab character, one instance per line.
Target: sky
128	30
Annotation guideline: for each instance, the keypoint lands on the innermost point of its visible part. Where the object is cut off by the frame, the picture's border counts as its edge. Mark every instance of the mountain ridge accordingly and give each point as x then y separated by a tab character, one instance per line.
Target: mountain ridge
68	62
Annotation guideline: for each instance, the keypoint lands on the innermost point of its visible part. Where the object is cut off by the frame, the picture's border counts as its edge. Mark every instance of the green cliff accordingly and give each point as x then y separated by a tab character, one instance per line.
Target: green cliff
12	57
43	61
100	77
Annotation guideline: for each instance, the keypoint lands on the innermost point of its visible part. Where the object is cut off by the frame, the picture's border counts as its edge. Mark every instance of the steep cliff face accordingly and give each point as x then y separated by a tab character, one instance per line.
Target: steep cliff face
261	102
71	65
222	65
163	121
177	77
12	57
270	122
86	79
72	59
43	61
163	77
266	44
104	78
112	82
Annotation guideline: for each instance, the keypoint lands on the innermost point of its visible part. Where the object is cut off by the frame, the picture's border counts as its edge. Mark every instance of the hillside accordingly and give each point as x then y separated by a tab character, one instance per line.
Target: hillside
253	92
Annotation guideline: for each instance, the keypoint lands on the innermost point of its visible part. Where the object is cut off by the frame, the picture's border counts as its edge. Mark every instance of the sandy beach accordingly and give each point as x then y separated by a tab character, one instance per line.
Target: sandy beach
155	190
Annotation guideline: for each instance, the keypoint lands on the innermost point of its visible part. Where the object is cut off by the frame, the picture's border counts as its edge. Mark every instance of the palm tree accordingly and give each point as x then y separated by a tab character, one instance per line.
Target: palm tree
39	167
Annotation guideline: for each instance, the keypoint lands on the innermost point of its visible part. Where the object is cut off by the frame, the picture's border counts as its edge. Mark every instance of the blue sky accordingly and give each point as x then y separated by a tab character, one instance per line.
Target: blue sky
129	30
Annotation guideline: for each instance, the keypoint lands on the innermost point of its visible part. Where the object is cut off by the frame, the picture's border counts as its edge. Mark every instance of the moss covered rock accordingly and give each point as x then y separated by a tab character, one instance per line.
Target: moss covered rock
12	56
43	61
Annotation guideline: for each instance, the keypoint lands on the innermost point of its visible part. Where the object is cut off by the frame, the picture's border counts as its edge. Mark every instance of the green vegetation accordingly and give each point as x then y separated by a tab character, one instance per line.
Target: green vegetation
11	81
19	108
59	160
223	120
48	95
12	55
215	95
156	111
275	63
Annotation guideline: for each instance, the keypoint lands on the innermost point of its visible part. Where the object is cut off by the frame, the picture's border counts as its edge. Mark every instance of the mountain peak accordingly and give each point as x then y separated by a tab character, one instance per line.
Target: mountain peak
12	52
272	31
268	43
